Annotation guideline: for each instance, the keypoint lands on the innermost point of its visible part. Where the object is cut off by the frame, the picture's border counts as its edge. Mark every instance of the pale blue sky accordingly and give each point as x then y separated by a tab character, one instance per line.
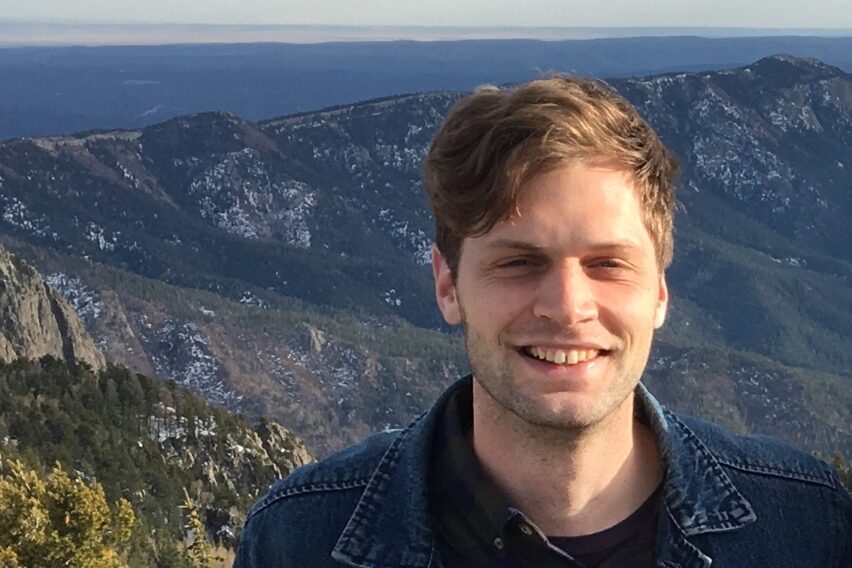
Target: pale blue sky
596	13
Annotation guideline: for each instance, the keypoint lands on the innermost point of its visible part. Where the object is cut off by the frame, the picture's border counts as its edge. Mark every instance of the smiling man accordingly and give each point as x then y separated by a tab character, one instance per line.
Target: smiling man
554	209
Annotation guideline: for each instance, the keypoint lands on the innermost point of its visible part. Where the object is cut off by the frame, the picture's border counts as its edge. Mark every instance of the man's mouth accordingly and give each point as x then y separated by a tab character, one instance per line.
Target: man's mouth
562	356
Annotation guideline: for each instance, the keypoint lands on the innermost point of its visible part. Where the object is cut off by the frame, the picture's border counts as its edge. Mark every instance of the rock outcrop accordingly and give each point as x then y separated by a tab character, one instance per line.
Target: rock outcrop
35	320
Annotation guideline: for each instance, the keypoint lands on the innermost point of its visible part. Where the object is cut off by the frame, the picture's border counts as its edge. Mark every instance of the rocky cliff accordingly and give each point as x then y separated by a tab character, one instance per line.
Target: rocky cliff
35	320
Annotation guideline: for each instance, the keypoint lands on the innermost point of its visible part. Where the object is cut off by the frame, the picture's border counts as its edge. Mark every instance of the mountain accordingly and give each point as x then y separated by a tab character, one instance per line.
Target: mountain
139	438
335	375
279	268
764	207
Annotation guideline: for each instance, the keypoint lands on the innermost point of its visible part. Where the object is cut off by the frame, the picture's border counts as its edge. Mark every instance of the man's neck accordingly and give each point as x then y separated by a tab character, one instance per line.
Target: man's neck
568	483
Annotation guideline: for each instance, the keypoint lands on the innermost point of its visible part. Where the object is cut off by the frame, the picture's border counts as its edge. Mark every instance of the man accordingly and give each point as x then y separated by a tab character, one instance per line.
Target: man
553	203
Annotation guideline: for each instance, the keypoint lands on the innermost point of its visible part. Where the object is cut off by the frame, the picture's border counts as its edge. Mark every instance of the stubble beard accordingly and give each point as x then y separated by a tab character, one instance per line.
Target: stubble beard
493	375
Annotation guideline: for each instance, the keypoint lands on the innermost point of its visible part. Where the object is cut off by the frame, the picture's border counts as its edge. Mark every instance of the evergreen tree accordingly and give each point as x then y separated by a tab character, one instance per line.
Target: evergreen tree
54	520
844	470
199	551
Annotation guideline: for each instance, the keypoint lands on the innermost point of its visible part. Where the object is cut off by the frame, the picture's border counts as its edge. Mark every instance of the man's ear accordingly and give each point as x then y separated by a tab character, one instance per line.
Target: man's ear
445	288
662	303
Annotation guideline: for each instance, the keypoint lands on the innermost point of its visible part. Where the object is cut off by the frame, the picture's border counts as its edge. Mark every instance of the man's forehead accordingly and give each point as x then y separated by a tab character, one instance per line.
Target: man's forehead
613	221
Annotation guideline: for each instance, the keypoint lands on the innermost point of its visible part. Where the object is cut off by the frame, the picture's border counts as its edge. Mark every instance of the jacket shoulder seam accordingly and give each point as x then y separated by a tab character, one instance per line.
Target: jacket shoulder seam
306	489
813	473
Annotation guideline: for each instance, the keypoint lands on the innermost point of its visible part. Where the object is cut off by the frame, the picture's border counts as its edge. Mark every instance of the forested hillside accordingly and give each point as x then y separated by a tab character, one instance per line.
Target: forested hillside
145	442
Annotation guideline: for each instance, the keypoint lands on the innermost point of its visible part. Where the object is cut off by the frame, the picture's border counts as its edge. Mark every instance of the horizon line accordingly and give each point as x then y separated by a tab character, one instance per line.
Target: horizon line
69	22
65	33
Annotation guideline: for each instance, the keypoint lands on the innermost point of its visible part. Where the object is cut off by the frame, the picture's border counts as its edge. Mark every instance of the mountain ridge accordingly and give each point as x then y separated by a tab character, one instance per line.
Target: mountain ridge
322	216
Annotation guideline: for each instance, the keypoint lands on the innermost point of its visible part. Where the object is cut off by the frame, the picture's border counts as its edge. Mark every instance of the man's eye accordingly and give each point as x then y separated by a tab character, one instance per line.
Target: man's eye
514	263
517	266
608	263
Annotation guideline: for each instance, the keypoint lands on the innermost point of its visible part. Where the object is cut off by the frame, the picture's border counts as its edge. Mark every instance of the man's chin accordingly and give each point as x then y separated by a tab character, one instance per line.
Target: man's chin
571	412
569	417
568	411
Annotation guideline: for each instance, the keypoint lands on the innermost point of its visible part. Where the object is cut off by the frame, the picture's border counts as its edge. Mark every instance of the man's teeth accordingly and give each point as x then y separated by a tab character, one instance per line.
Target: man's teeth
562	357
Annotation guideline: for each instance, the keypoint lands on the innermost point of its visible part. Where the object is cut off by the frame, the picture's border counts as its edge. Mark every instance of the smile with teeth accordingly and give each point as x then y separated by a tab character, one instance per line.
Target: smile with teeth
562	356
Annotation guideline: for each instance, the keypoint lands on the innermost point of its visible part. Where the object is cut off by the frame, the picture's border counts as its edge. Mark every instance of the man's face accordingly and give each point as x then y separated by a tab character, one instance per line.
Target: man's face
560	302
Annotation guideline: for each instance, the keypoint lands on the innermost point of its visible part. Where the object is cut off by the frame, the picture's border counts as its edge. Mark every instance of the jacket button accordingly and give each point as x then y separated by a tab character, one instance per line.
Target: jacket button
525	528
498	543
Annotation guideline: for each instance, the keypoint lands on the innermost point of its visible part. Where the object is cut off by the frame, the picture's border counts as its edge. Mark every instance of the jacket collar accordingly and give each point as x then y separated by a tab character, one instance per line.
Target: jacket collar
391	523
699	496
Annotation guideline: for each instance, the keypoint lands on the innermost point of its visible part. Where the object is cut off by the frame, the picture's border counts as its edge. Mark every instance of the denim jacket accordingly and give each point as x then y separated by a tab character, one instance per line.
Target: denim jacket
728	501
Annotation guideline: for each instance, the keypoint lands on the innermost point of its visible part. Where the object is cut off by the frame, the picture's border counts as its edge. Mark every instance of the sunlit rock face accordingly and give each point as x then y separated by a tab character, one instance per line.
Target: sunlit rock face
35	320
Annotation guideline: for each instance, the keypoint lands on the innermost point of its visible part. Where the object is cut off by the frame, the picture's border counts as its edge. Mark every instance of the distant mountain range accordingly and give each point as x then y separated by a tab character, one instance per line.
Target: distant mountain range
60	90
57	32
278	268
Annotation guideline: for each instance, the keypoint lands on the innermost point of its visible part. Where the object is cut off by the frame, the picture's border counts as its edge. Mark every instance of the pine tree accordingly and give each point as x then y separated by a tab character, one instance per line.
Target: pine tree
844	470
199	551
54	520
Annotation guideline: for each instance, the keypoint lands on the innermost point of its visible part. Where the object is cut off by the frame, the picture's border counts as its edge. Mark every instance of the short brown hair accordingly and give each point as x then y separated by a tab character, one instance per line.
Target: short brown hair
496	140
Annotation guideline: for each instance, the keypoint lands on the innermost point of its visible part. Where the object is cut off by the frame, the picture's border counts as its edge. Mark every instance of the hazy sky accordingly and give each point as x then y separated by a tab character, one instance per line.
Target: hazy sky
712	13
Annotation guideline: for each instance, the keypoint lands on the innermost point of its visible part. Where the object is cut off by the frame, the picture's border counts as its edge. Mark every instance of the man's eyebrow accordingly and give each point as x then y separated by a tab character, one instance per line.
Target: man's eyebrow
514	244
625	245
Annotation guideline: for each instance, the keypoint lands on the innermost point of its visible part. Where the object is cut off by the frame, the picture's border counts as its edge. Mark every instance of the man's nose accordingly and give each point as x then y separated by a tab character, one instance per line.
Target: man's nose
566	296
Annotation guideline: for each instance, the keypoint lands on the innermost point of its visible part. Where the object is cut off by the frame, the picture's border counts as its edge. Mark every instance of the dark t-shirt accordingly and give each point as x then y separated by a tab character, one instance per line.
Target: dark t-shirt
629	543
477	527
